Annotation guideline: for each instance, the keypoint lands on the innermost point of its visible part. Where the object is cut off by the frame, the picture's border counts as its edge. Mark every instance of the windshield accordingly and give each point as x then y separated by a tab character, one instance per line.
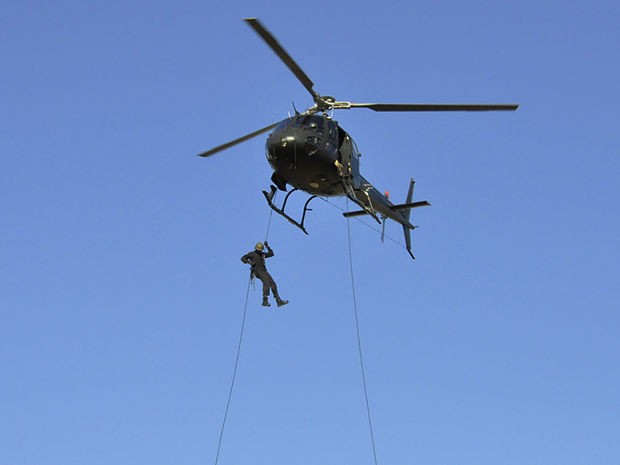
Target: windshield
282	124
311	121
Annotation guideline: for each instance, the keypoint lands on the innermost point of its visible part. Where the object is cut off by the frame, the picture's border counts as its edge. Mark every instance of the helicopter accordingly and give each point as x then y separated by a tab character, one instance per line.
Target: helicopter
312	153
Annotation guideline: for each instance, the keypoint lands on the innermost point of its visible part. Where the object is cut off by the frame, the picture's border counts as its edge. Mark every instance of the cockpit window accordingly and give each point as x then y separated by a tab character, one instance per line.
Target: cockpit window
312	121
356	152
282	124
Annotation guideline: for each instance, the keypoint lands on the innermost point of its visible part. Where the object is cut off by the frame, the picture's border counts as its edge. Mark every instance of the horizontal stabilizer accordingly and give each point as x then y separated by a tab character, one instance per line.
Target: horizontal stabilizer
402	206
355	213
405	206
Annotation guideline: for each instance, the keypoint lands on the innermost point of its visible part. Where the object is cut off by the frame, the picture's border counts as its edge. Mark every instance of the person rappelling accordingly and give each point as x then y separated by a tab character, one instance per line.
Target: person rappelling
256	259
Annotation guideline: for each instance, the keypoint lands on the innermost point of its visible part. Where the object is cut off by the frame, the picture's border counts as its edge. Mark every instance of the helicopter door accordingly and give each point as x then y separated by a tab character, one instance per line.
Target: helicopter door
349	155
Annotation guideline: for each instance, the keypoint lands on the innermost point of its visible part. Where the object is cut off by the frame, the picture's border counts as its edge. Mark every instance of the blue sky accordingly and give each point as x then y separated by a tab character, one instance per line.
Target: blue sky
121	289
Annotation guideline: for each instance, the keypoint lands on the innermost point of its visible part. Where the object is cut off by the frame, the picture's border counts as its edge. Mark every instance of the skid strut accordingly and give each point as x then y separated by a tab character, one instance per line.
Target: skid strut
269	197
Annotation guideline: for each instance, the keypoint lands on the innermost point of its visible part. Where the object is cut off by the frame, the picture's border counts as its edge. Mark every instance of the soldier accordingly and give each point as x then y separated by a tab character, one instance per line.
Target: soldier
256	259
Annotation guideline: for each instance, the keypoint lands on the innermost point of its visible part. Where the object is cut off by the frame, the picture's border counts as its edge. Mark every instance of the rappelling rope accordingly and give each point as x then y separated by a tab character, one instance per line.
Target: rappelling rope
270	215
234	376
359	343
359	347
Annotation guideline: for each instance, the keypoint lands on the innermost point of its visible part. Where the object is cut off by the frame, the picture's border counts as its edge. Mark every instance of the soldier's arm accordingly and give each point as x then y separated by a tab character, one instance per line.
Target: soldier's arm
269	251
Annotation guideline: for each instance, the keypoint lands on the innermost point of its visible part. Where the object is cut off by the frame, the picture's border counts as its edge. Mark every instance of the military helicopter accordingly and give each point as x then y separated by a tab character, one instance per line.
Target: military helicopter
311	152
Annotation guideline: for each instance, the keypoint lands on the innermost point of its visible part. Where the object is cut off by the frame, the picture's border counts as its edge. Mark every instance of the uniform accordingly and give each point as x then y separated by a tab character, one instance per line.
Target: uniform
256	259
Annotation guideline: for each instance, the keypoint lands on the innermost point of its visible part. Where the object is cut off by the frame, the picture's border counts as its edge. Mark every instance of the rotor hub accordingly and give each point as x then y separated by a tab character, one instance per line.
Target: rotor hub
324	103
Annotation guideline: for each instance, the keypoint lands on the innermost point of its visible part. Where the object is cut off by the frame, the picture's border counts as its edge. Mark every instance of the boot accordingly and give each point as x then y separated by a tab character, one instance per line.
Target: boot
266	302
281	302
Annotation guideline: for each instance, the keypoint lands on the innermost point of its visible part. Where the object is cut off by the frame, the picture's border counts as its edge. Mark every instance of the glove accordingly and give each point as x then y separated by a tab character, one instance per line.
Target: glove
266	244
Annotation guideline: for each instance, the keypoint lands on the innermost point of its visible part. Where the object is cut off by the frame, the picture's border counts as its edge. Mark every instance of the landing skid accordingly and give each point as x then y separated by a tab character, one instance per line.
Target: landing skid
269	197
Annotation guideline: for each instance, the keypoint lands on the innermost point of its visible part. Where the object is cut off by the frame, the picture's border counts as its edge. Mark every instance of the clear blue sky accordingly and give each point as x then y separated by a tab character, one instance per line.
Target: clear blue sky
121	289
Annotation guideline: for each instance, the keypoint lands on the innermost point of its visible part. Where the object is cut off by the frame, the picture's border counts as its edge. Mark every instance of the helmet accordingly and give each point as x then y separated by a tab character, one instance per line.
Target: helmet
258	246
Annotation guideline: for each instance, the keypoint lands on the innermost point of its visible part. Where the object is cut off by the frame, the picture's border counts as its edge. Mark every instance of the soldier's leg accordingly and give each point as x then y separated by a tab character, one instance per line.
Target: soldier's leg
274	289
264	277
266	286
271	284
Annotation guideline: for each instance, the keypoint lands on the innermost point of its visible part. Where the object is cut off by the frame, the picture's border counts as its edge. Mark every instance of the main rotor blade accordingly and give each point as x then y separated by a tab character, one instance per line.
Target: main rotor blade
219	148
284	56
434	107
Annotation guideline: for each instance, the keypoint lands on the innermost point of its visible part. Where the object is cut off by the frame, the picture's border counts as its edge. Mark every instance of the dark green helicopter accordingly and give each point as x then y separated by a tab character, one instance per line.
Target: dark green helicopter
311	152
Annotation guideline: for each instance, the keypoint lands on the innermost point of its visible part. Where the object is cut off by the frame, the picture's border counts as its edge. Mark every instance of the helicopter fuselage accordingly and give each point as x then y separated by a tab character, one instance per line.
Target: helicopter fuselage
308	151
312	153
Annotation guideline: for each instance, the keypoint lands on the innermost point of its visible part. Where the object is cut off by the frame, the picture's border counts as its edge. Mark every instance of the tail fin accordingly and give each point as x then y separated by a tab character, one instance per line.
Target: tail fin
407	232
409	198
406	207
407	214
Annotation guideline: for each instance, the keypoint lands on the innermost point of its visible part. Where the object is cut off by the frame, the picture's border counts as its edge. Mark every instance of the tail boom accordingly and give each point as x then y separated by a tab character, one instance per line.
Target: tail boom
399	212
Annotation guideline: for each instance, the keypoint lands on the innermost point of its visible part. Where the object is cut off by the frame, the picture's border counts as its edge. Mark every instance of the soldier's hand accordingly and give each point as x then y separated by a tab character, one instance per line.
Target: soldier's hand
266	244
